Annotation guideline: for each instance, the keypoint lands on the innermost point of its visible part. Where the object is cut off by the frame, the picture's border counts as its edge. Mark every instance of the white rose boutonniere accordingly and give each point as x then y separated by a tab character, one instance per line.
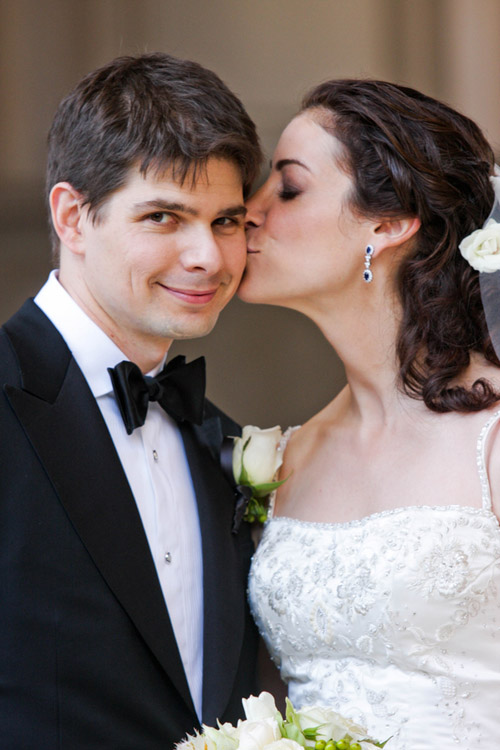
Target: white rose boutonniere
264	728
482	248
256	459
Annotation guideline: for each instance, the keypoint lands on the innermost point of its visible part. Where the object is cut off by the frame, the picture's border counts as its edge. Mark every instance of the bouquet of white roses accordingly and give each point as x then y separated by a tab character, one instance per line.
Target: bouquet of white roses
265	729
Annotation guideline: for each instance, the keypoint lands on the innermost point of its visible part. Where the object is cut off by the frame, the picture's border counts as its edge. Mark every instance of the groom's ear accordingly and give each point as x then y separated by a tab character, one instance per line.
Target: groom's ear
395	232
67	214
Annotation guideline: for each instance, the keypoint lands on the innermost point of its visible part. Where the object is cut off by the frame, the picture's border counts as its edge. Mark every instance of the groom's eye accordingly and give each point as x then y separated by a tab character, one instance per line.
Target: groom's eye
160	217
227	226
229	222
224	221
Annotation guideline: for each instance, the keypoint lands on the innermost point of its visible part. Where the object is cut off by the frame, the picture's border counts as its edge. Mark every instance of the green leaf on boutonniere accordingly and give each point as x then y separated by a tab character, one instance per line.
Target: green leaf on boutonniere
263	490
258	505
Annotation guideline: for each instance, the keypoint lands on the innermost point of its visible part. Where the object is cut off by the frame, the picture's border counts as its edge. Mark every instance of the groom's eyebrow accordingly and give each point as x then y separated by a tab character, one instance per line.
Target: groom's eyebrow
286	162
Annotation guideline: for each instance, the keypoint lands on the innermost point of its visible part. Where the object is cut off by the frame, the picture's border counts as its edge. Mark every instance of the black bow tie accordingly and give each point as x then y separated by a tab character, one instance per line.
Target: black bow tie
179	388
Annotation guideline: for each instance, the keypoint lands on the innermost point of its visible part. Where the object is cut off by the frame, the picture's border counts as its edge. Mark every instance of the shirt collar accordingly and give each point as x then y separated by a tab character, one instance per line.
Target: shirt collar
92	349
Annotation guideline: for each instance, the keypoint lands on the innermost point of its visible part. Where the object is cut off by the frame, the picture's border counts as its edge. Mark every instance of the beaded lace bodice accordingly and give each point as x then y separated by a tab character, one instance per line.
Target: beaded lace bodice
393	620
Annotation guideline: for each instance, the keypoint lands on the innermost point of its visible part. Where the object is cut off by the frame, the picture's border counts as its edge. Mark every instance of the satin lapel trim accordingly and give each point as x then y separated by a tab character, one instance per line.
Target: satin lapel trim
97	498
223	588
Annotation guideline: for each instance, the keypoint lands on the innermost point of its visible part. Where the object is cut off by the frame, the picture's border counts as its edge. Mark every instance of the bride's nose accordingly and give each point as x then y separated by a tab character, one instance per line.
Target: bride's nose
255	206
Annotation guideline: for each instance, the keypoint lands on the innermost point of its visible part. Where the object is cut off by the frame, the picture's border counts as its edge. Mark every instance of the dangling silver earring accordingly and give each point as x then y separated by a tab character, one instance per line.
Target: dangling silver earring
367	274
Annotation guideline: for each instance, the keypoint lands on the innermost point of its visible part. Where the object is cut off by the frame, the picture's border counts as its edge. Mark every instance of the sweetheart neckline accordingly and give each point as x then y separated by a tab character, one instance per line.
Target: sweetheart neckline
469	509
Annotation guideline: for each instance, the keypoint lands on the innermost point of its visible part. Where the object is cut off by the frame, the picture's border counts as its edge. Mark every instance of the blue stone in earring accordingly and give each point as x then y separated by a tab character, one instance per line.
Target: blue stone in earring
367	274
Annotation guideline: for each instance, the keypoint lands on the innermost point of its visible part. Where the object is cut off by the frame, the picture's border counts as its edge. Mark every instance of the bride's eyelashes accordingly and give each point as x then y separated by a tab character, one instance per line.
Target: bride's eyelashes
288	192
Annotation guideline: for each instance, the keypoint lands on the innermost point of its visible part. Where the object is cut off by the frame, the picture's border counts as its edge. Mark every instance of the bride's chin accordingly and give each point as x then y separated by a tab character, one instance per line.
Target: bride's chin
249	291
256	286
246	287
245	295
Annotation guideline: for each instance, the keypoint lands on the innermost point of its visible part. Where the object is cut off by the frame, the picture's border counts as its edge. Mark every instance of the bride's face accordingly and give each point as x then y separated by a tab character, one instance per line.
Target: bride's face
304	244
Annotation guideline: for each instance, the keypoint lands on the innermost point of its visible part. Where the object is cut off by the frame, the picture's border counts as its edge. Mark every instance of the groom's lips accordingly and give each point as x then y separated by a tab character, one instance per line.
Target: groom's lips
194	296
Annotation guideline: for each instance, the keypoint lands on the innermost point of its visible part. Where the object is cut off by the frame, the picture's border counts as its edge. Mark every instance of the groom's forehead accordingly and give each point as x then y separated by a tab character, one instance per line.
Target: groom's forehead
218	180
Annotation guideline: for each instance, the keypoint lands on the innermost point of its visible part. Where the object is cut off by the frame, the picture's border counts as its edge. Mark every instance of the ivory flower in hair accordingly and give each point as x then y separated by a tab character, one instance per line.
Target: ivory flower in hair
482	248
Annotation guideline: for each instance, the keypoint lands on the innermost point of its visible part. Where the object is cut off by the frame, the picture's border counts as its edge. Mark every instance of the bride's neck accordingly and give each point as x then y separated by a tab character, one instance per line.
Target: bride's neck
366	343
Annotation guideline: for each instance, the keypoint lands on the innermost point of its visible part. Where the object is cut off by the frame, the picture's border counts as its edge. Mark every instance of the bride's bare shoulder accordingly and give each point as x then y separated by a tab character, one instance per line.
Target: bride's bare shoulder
492	457
305	438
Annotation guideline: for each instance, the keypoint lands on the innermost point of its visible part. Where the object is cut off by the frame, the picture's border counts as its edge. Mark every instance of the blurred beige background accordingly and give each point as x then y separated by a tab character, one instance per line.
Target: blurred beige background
266	365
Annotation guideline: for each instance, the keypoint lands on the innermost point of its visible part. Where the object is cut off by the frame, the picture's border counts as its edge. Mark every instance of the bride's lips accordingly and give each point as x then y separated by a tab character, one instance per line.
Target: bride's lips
251	251
193	296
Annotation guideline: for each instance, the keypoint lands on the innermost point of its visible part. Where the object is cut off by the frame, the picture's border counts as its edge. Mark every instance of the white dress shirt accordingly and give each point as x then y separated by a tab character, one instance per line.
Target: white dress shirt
156	467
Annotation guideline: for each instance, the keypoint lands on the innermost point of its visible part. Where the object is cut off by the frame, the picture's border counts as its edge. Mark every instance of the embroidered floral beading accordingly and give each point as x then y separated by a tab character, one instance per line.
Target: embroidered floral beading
392	620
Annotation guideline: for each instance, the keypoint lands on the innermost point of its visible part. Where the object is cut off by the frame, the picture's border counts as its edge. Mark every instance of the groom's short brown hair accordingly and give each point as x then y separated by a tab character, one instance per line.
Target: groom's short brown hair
153	111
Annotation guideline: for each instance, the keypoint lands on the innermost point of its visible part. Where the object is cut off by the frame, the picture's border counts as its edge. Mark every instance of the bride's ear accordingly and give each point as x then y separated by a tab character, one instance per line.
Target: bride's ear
395	232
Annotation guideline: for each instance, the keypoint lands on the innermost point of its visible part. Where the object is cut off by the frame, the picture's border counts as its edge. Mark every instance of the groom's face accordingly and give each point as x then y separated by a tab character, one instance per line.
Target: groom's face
162	258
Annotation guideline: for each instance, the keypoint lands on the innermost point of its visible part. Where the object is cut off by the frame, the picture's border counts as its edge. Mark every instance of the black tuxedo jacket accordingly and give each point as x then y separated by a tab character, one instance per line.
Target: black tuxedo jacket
88	658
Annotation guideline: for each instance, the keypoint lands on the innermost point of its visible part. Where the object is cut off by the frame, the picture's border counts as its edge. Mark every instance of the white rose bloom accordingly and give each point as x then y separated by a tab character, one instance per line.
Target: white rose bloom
256	735
284	744
259	708
224	738
332	726
196	742
260	458
482	248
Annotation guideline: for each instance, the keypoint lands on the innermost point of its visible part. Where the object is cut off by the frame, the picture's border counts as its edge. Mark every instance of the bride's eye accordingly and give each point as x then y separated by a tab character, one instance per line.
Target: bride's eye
288	192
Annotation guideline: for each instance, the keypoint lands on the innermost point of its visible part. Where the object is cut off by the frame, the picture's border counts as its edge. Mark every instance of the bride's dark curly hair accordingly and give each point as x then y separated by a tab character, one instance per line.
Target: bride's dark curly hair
410	155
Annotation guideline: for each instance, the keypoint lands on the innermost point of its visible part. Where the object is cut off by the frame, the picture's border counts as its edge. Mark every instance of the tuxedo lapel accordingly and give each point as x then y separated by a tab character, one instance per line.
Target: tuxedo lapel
65	427
224	590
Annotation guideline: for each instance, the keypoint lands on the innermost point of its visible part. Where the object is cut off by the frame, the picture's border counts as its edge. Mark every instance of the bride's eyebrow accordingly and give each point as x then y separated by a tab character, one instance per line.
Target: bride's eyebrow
286	162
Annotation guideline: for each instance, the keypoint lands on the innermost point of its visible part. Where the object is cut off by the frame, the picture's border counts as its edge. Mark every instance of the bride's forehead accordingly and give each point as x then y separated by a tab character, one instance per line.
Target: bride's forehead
305	140
303	126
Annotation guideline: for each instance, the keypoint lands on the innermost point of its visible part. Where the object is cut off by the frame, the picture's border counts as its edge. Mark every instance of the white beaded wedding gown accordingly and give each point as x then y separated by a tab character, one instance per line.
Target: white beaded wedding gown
393	620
